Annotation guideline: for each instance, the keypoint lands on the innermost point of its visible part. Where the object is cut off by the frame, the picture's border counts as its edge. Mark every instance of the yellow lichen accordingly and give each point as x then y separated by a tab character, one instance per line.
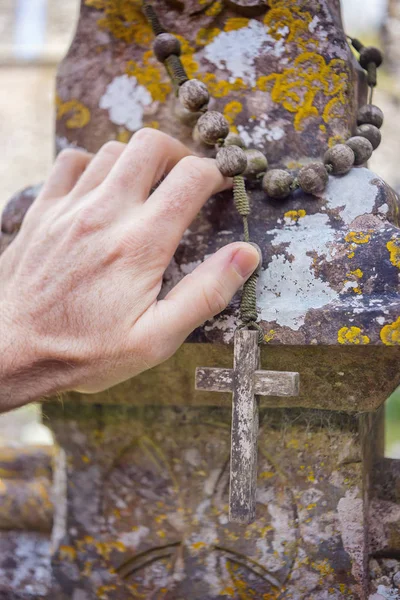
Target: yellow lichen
67	553
357	273
358	237
390	333
335	139
161	533
394	251
295	215
267	474
351	254
352	335
219	88
205	36
270	335
231	111
150	75
236	23
79	113
199	545
124	135
297	86
124	19
214	9
102	591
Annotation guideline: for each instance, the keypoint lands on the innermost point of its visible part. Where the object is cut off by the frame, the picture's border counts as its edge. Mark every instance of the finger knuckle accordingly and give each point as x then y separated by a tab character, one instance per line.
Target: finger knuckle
194	167
71	155
87	221
113	148
215	298
146	134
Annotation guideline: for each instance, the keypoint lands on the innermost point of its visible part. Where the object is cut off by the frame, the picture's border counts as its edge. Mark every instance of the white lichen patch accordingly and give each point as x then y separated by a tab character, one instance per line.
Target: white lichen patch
125	101
288	288
255	135
353	195
62	143
237	50
132	539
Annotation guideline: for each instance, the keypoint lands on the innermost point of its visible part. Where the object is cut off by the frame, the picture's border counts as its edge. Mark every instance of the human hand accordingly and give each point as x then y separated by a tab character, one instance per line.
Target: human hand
78	307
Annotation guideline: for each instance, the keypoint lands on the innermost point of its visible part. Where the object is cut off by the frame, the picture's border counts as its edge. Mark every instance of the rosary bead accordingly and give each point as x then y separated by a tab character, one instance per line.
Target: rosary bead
194	95
340	158
233	139
369	55
231	161
165	45
372	134
369	114
257	163
212	127
362	149
313	178
277	183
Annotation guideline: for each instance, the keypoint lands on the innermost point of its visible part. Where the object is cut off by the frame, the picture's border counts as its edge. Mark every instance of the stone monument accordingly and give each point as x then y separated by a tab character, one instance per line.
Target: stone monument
141	509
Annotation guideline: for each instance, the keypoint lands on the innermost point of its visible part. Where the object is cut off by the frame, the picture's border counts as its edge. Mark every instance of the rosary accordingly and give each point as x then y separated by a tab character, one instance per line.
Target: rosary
246	381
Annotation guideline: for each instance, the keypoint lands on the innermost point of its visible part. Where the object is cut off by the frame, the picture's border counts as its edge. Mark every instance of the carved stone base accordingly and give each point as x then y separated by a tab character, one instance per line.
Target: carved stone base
148	506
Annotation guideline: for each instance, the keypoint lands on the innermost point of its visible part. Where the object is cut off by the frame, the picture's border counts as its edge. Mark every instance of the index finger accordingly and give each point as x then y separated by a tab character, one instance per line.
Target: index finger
176	202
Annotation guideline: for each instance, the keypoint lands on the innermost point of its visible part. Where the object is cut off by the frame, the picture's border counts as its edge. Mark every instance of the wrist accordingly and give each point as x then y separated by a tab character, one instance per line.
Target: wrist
27	373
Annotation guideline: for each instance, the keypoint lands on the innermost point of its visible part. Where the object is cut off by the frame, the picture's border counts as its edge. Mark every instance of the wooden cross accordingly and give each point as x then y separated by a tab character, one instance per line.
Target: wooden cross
246	382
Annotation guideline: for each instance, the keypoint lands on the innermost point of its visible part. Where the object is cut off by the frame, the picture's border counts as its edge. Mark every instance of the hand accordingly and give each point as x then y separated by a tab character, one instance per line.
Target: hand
79	306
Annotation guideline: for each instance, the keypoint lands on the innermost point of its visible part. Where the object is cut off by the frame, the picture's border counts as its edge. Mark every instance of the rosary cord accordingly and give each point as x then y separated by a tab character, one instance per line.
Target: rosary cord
152	18
177	73
248	304
175	70
172	63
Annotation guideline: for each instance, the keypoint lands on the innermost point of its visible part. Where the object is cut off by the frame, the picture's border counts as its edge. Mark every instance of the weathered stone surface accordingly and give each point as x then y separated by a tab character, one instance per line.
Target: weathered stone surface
25	489
148	505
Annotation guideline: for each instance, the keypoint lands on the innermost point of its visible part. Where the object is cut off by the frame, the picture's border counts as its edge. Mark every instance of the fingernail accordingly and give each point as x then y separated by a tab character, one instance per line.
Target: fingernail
245	261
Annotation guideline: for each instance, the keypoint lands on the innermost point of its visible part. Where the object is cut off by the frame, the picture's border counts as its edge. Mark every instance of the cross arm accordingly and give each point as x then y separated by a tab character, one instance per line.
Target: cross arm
266	383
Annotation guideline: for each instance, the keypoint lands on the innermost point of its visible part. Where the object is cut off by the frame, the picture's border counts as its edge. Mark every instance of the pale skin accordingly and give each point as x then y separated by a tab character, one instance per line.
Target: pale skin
79	284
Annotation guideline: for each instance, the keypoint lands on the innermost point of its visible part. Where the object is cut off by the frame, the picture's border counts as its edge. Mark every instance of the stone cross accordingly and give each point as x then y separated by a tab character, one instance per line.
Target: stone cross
245	381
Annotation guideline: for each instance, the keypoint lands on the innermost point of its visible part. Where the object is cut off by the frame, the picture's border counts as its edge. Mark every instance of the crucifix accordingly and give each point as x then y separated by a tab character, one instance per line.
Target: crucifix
245	381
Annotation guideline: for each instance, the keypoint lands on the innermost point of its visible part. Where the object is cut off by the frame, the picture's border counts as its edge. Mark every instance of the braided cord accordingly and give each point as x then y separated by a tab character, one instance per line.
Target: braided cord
173	63
177	73
248	304
152	18
175	70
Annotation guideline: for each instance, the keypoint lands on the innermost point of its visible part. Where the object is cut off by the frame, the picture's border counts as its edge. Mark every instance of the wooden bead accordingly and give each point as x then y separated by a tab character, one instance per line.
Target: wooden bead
362	149
257	163
313	178
277	183
368	55
372	134
193	95
231	161
212	127
165	45
369	114
233	139
340	158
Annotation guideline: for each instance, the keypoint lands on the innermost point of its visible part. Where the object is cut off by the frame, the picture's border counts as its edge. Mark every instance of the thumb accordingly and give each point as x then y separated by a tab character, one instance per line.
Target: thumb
207	291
